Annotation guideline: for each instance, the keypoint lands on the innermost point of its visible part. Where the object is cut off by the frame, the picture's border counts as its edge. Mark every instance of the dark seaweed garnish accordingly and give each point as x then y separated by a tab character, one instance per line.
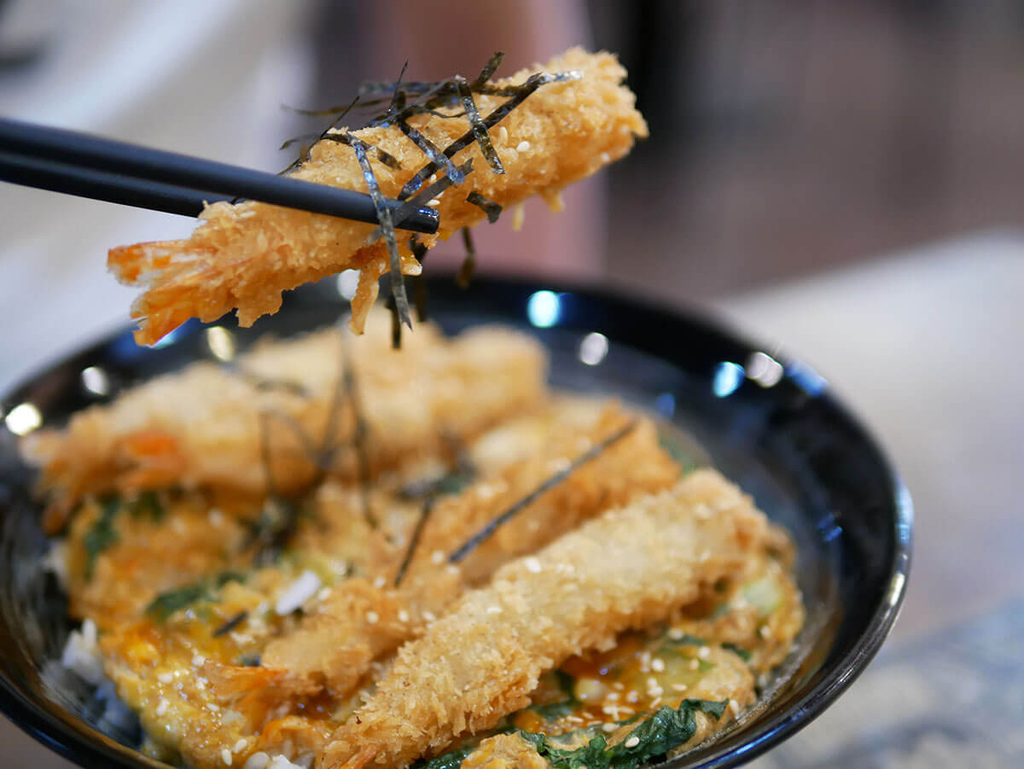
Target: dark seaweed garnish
359	434
414	540
468	266
477	126
488	530
419	285
492	209
231	624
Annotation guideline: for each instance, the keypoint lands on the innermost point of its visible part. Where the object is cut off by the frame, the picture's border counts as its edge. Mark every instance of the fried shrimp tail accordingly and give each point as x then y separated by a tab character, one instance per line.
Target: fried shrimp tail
243	256
630	568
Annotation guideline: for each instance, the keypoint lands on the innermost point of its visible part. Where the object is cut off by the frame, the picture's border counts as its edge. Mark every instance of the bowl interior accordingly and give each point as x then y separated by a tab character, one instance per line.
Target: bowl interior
767	422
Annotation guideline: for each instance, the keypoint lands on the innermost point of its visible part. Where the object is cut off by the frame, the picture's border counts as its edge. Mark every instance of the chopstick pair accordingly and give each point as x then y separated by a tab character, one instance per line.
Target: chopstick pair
92	167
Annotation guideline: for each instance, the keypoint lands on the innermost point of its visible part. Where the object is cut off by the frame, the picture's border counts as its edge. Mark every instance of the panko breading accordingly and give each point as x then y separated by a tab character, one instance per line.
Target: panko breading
203	427
243	256
630	568
335	646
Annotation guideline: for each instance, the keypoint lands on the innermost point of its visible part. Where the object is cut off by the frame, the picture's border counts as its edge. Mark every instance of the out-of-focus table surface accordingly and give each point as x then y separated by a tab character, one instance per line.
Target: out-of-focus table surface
926	346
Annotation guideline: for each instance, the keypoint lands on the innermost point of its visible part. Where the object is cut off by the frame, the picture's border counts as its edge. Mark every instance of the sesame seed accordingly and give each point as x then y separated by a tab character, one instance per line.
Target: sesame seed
533	565
429	616
606	158
240	746
658	665
437	556
403	615
198	661
165	678
676	634
372	617
503	134
494	610
609	728
632	742
379	582
764	631
226	757
434	202
734	706
523	146
679	687
704	652
161	707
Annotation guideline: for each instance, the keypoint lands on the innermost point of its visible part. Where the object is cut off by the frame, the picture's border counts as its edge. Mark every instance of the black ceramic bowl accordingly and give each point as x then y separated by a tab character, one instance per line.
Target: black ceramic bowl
768	423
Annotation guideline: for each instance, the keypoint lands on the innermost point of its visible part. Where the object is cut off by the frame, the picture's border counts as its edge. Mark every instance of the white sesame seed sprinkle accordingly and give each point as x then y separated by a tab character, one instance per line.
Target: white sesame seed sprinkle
533	565
494	610
764	631
609	728
679	687
437	556
502	134
226	757
632	742
734	706
165	678
403	615
523	146
379	582
429	616
372	617
240	746
161	707
658	665
704	652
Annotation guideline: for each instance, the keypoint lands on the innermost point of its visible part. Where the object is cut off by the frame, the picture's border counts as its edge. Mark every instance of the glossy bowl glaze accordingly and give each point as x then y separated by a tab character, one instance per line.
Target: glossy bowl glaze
768	422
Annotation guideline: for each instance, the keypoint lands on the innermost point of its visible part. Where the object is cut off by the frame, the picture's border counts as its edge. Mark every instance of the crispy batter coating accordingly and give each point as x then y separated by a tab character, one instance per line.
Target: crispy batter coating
203	427
335	646
243	256
627	569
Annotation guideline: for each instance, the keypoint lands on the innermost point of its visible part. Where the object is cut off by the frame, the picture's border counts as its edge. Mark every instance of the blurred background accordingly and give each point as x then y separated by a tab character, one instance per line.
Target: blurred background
842	179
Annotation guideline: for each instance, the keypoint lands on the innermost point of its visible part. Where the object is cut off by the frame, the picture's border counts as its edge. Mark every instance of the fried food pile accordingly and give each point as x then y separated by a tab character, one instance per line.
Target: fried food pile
425	557
570	120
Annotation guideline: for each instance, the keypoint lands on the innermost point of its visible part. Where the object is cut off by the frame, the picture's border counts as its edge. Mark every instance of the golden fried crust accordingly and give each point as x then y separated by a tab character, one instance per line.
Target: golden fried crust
243	256
627	569
202	427
336	645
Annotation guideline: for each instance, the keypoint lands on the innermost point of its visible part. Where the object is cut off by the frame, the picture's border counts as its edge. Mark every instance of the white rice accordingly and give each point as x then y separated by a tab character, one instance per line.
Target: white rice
297	593
82	655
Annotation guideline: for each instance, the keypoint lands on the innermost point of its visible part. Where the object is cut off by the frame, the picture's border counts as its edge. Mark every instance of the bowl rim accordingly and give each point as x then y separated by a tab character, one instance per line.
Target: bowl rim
80	743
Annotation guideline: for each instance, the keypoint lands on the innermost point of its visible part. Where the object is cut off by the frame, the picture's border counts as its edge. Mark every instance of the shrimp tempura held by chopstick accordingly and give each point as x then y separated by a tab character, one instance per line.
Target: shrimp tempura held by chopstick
630	568
243	256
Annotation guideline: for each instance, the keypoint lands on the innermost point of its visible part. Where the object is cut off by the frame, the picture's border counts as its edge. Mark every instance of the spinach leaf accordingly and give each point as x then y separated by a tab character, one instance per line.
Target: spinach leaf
742	653
667	728
101	534
166	604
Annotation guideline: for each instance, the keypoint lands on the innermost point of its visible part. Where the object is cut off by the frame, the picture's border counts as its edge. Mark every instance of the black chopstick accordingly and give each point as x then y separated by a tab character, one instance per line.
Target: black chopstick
89	166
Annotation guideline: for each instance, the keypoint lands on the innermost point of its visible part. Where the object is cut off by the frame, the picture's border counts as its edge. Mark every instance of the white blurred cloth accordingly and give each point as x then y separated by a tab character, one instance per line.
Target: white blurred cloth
192	76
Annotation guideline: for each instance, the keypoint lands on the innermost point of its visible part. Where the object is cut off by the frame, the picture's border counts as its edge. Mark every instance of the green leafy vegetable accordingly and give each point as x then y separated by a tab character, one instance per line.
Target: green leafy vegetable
451	760
742	653
101	534
166	604
147	505
667	728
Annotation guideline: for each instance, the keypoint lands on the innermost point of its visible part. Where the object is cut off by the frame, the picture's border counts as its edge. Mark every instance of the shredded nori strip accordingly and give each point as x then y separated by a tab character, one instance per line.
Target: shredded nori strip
492	209
414	540
488	71
477	125
231	624
516	97
265	384
388	228
488	530
419	285
468	266
421	198
359	434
